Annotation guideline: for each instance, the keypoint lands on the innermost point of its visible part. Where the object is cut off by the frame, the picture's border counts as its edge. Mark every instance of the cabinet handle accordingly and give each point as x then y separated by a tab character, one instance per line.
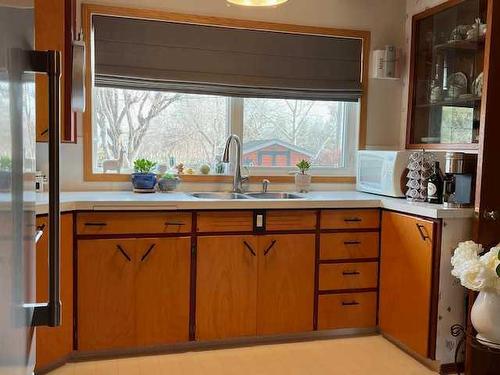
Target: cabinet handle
174	223
124	253
353	303
146	254
95	224
347	243
352	220
249	248
422	231
269	248
49	62
350	273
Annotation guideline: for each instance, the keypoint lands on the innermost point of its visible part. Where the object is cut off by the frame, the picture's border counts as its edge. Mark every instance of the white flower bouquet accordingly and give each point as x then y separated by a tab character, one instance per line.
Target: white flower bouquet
478	273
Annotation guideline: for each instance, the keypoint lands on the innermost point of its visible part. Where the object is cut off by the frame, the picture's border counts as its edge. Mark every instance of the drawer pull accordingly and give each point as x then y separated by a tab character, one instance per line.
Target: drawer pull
347	243
95	224
249	248
145	255
174	223
350	273
353	303
269	248
353	220
124	253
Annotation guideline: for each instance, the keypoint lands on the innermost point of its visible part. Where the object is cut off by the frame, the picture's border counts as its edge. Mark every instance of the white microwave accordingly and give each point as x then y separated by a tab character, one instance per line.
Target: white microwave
382	172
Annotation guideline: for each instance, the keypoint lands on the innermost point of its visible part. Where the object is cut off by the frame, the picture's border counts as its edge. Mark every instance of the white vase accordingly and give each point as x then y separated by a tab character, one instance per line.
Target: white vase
485	317
303	182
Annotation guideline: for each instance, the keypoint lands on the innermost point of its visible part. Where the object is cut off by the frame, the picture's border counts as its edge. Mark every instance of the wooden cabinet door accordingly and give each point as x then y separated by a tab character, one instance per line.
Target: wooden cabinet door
406	280
106	294
54	344
53	31
162	290
286	284
226	287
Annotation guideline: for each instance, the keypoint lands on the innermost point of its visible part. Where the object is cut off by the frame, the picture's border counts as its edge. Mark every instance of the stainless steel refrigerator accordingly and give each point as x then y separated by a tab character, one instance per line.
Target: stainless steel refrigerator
19	312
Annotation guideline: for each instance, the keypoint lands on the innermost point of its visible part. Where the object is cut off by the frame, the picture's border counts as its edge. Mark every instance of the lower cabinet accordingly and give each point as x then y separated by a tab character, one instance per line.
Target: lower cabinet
254	285
406	280
285	300
226	287
55	344
133	292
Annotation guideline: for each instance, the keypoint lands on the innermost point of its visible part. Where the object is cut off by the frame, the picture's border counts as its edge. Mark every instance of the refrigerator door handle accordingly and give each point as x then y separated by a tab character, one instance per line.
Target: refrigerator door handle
49	62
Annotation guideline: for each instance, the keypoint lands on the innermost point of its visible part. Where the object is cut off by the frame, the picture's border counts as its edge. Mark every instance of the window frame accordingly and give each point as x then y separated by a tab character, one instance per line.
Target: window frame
353	135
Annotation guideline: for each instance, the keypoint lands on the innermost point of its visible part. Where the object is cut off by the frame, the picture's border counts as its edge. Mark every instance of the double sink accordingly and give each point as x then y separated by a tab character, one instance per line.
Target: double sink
231	196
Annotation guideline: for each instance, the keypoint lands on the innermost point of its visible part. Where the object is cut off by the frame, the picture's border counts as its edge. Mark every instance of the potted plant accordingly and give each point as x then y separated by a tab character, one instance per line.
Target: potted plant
481	274
302	178
5	173
144	180
168	182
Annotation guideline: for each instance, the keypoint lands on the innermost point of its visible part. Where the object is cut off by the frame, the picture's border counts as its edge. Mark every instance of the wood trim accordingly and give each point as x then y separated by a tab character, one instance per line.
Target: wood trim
452	368
89	9
436	264
215	178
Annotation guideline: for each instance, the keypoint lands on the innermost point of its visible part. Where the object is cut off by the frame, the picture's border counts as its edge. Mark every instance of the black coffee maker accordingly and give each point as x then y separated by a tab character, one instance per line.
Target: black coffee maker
459	179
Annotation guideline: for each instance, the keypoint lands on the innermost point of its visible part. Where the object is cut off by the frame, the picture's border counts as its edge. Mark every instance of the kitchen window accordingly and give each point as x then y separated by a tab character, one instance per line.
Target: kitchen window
176	99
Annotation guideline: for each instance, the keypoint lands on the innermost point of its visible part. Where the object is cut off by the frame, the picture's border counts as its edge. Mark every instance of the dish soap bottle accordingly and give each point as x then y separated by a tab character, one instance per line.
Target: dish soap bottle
435	185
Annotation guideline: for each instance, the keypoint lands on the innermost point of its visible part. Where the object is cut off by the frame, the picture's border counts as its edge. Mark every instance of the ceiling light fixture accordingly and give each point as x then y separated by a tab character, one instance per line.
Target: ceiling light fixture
257	3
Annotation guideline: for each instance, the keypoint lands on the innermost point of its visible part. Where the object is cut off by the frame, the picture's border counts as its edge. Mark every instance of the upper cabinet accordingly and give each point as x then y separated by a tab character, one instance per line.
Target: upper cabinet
54	23
446	76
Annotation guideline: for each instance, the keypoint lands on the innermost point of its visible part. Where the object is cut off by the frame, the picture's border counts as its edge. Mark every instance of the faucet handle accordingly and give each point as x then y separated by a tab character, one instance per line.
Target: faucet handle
265	185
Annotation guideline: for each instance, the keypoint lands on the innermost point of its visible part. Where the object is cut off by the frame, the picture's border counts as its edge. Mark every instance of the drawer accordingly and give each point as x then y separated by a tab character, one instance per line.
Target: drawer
348	276
353	245
291	220
350	219
225	221
350	310
133	222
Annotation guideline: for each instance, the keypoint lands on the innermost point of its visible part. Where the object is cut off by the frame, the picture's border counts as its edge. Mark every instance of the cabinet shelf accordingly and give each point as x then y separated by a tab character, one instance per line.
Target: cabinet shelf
461	45
469	102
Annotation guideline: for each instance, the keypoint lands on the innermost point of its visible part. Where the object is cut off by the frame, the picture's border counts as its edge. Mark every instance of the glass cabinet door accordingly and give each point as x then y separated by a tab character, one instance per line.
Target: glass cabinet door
447	74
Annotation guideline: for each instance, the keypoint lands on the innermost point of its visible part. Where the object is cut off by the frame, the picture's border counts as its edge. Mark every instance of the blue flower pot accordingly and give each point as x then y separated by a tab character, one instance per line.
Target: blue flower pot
144	181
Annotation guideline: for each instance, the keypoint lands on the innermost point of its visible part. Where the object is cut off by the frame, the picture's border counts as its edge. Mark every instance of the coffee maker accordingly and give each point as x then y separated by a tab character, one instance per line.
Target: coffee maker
459	179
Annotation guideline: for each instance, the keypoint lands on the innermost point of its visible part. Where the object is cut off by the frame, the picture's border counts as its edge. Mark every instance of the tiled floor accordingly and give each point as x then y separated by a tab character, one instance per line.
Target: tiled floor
371	355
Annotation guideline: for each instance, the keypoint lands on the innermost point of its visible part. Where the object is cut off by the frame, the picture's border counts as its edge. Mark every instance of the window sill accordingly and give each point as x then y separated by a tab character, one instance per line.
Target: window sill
227	179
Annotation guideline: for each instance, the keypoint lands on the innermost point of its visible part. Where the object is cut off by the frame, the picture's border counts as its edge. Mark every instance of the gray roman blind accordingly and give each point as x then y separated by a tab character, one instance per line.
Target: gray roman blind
147	54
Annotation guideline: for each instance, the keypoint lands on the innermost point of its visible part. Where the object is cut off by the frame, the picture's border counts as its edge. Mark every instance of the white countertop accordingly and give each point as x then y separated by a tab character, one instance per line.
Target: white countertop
125	200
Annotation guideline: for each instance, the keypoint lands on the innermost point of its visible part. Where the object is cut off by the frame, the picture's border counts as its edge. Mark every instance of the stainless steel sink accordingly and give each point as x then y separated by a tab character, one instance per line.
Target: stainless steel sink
222	196
274	195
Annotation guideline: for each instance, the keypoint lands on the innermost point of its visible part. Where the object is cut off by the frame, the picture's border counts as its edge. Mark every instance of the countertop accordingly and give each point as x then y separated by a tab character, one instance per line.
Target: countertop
125	200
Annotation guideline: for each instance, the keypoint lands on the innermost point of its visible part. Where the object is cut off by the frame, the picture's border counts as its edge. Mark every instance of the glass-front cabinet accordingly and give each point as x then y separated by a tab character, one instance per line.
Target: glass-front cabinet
446	82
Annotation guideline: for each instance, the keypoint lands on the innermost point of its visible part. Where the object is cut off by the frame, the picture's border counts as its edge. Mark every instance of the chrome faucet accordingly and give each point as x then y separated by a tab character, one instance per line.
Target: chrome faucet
238	180
265	185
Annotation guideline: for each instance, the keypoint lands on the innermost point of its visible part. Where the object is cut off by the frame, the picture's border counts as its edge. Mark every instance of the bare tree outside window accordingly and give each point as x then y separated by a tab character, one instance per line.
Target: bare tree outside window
131	124
278	132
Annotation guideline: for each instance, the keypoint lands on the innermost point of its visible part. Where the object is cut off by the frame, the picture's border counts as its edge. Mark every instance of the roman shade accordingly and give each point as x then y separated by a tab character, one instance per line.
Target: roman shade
148	54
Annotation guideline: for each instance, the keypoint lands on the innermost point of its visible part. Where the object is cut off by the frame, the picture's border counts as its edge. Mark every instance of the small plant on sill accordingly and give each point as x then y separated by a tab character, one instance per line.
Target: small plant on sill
302	178
144	180
303	166
144	166
168	182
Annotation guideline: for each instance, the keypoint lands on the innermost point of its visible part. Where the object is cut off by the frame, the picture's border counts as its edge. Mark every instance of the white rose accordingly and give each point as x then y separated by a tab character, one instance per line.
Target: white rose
474	276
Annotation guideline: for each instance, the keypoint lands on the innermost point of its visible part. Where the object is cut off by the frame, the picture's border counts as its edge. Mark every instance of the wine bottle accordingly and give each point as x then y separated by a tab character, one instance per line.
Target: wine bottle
435	185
